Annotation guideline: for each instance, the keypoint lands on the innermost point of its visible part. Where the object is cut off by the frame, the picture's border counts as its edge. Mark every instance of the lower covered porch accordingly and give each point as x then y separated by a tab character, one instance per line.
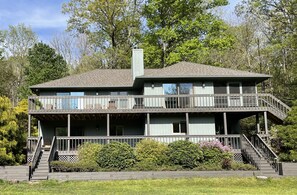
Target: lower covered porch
65	133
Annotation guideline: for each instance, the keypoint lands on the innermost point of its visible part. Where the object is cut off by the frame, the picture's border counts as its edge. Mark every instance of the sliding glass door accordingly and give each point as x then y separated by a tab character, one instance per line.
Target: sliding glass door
177	89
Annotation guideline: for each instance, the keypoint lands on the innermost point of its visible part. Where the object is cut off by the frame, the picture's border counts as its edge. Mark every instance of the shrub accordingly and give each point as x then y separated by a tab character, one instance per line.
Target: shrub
184	153
88	153
151	152
215	152
208	167
116	155
145	165
241	166
6	159
60	166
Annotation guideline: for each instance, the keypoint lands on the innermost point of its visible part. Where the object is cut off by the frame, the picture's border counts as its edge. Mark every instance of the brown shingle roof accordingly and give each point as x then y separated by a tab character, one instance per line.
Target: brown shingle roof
94	78
123	77
188	69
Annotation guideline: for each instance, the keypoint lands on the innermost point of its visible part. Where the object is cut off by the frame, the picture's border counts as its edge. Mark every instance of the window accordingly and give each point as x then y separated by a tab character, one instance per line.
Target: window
180	127
170	89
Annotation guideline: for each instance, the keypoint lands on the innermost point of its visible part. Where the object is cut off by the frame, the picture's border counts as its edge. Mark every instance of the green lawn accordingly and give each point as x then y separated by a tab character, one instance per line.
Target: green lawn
159	186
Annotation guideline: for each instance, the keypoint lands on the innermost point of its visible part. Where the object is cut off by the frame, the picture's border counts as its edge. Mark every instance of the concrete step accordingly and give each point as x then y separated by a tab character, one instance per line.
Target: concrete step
40	175
38	178
41	171
42	168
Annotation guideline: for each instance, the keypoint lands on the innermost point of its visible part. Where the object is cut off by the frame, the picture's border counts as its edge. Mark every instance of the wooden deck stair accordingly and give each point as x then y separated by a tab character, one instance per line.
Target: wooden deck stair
263	164
260	155
42	169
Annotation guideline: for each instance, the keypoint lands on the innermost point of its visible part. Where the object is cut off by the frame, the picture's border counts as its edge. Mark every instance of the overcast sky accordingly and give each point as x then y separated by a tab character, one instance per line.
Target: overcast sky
45	16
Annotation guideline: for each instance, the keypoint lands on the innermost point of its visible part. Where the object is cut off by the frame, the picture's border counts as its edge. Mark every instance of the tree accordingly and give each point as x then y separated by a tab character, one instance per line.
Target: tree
44	65
73	48
286	136
7	79
183	30
8	132
279	24
113	26
17	41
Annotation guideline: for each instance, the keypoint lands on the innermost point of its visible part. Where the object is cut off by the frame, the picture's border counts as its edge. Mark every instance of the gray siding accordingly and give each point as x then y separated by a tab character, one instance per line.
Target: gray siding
198	125
203	88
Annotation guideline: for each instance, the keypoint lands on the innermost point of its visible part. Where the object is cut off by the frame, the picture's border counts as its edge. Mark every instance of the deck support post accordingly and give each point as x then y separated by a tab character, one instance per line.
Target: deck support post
258	123
225	128
107	127
68	132
265	123
39	128
187	125
29	125
148	124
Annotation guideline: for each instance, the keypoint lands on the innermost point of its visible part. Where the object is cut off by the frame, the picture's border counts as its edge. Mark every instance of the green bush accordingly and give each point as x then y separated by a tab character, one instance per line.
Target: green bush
60	166
208	167
88	153
145	165
151	152
290	156
241	166
116	155
6	160
215	152
184	153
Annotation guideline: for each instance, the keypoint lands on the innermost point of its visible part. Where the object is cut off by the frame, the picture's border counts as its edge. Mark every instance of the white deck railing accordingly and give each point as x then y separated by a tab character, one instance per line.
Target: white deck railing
157	103
71	144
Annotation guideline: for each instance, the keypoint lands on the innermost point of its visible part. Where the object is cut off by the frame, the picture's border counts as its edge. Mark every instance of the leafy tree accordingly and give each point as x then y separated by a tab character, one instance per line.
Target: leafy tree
16	42
279	24
286	136
7	79
113	26
183	30
8	133
44	65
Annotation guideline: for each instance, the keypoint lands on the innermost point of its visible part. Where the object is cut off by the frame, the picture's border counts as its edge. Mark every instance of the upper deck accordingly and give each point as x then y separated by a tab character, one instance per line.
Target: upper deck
158	104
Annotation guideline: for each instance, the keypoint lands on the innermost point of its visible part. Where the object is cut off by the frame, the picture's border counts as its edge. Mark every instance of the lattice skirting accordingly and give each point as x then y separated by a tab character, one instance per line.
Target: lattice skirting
74	158
237	157
68	158
29	158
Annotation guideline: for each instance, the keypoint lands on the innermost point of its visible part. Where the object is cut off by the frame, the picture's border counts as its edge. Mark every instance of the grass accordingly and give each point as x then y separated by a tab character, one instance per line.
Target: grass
158	186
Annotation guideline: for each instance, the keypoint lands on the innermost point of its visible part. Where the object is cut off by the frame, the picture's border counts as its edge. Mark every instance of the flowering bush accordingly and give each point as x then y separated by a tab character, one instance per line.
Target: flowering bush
215	152
215	144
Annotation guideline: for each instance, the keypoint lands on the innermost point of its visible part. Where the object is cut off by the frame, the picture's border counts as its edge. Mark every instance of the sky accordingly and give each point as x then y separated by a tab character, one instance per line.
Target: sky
45	16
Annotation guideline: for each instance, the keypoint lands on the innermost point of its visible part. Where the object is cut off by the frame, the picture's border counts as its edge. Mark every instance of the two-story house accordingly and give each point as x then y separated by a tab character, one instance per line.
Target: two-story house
182	101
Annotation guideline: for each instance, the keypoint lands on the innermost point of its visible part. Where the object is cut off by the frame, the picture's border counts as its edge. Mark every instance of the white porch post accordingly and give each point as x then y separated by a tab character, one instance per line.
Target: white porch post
29	125
68	132
225	128
148	124
258	123
38	127
187	124
265	123
107	126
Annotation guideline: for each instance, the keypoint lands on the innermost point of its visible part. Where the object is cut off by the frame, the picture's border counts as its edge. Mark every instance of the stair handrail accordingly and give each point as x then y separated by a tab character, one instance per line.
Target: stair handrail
52	153
253	161
276	104
35	157
269	154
